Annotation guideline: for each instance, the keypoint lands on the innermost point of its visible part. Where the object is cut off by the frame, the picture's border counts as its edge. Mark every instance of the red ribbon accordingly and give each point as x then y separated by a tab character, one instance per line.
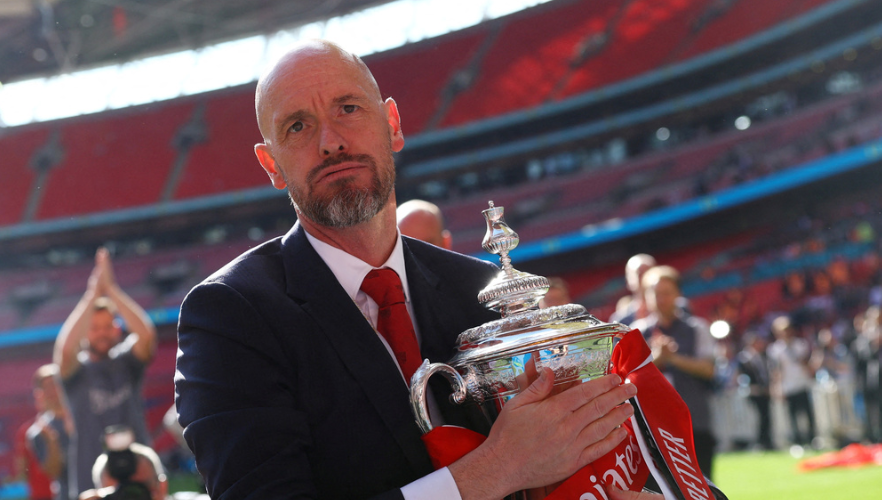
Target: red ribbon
665	418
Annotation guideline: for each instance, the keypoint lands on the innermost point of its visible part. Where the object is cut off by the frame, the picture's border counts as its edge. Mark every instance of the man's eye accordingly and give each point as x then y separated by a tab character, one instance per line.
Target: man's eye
349	108
297	126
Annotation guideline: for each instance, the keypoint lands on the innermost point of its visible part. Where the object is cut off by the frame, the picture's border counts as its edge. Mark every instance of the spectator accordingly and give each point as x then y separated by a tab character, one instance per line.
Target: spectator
790	355
41	443
867	349
102	372
633	307
558	293
423	221
683	349
148	477
753	363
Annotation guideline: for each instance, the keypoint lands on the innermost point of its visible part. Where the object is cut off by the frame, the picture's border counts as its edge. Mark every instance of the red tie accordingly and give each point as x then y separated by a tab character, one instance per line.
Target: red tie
393	321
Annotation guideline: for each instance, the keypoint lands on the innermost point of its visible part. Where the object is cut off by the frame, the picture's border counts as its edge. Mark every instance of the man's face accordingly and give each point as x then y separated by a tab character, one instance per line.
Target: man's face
329	137
49	393
662	298
104	333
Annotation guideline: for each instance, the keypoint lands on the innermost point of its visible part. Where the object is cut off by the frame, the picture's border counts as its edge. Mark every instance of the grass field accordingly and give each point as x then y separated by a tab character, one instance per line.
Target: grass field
774	475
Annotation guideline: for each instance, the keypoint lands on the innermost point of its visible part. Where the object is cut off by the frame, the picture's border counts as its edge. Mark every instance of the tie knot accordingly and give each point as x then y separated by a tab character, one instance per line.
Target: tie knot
384	286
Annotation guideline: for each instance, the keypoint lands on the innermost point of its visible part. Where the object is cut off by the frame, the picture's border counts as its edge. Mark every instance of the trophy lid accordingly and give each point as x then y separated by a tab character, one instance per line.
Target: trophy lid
516	295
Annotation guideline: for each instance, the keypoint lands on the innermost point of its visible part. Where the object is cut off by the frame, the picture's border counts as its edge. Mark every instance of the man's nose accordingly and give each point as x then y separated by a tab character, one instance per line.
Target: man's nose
332	142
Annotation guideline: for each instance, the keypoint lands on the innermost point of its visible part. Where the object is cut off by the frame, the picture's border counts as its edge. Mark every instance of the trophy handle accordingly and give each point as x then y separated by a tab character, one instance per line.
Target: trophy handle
418	390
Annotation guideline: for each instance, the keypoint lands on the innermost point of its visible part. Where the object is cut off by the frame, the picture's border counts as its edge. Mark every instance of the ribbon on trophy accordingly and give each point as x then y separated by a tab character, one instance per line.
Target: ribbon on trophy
659	440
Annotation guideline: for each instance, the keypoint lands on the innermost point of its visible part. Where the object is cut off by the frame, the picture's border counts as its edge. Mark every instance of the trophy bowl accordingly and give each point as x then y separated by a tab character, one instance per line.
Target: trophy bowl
501	358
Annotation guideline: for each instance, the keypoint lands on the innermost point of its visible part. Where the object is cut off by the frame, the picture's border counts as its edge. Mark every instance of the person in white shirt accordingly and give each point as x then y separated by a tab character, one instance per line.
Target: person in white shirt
789	356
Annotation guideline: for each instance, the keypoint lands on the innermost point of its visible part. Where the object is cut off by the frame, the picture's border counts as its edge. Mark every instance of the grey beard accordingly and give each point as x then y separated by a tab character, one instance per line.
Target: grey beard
346	209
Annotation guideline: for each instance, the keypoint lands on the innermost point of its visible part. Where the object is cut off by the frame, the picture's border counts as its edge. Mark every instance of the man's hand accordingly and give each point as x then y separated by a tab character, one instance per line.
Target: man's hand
663	349
104	268
540	438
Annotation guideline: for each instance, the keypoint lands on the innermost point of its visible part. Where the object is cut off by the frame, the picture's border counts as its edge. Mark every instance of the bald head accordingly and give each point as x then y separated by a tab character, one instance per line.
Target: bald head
423	221
635	268
307	56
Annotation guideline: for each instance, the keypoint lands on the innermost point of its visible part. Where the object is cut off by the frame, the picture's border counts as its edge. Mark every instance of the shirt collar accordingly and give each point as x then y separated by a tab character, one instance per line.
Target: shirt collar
350	270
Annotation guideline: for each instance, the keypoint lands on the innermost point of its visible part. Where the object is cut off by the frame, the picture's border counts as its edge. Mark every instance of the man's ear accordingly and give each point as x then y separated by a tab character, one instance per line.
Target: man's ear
446	240
162	488
394	120
269	165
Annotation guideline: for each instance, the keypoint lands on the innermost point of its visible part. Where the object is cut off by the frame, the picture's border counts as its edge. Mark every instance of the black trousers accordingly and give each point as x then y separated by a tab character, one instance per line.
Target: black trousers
762	403
797	403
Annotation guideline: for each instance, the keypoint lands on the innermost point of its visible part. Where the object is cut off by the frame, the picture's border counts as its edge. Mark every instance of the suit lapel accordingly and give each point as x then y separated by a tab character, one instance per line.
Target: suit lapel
312	284
437	333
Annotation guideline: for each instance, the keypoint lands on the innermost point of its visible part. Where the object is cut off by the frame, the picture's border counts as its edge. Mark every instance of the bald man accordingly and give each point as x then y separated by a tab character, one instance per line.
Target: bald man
423	221
284	386
633	307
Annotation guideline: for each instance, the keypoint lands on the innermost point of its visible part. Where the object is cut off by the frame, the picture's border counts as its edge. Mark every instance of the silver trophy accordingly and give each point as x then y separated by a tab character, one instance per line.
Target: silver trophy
500	359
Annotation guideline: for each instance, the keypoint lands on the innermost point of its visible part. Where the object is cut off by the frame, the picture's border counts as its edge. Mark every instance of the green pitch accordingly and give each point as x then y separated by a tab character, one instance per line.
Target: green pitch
774	475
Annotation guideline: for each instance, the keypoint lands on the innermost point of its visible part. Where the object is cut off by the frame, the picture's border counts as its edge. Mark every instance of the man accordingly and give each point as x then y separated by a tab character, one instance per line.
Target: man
754	364
633	307
39	471
558	293
286	386
423	221
149	473
48	437
682	349
102	372
790	355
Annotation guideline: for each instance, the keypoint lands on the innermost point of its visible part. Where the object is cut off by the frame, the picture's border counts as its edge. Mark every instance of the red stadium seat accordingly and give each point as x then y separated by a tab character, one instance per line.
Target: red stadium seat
226	162
114	160
18	178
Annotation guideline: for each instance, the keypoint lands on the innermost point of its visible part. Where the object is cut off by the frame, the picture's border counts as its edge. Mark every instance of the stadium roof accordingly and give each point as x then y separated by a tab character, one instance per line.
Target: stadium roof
119	63
46	37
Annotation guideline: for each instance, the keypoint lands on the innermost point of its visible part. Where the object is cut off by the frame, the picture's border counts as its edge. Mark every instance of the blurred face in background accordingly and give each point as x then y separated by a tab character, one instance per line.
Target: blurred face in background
104	333
48	394
661	298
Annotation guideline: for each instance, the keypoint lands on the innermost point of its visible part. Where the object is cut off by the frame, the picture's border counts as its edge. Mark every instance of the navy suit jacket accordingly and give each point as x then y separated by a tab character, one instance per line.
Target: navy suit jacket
285	390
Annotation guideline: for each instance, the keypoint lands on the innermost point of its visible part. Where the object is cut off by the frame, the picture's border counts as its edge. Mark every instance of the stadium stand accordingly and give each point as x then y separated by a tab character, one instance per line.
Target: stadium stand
224	161
528	57
418	75
19	151
726	22
113	161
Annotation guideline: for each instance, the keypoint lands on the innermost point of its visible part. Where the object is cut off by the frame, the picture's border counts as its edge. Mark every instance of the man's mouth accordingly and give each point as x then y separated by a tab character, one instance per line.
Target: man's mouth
340	170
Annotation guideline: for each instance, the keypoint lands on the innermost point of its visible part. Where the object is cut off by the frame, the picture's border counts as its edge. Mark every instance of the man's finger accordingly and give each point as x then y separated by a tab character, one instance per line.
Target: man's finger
598	448
595	408
575	398
537	391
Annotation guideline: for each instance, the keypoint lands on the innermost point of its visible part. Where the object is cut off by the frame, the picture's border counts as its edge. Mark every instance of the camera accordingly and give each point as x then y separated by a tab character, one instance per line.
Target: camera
122	463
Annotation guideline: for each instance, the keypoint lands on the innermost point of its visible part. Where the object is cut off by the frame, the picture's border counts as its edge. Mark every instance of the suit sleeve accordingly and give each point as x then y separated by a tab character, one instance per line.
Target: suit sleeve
235	394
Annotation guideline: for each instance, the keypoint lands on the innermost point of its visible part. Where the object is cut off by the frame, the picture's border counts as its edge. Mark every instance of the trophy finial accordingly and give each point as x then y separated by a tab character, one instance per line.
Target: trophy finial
499	238
512	291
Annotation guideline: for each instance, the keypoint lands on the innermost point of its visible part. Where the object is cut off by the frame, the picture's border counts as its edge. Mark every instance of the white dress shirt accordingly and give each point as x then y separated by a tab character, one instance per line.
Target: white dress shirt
350	272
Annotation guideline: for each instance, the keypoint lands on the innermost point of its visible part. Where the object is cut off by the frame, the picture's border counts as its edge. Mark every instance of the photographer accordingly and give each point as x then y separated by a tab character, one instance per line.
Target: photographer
132	473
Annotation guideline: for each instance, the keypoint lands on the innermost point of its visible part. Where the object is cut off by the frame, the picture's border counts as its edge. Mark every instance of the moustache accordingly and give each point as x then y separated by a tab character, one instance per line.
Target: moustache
336	160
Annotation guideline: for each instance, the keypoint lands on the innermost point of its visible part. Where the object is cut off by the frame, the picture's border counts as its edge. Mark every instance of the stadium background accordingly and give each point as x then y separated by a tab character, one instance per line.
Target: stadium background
737	140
